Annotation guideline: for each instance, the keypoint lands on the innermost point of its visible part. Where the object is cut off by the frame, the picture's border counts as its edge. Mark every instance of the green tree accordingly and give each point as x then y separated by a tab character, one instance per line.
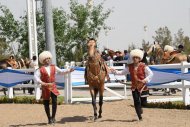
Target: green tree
3	46
131	47
186	41
86	23
179	38
145	45
23	30
71	29
8	28
163	36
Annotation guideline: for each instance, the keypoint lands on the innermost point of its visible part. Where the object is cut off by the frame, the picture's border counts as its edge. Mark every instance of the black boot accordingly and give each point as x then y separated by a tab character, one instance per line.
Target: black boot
50	120
140	118
53	120
47	110
54	106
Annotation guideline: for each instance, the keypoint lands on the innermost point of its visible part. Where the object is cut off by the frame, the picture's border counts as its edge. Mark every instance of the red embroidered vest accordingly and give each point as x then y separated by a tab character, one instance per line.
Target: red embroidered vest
136	75
46	90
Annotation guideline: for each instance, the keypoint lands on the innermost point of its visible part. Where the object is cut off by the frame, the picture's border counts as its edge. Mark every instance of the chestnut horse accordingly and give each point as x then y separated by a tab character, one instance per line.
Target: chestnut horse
12	63
165	57
9	63
95	74
111	53
173	57
5	63
156	54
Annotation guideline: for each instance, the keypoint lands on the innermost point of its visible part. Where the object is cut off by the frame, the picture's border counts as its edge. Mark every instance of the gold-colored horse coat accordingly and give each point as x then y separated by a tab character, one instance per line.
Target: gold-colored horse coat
96	70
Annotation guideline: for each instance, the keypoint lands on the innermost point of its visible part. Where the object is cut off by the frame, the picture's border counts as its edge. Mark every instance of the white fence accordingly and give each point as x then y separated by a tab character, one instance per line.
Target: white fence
185	85
68	87
68	90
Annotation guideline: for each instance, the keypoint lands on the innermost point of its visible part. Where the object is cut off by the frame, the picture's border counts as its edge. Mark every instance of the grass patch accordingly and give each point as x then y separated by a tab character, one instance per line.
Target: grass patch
168	105
26	100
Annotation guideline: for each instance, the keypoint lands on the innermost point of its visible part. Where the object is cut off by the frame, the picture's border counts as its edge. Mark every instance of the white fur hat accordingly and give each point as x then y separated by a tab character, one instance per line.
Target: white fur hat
168	48
44	55
138	53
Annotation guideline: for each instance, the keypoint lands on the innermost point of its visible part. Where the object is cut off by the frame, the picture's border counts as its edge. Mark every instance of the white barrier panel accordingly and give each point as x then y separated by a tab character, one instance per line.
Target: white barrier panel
77	79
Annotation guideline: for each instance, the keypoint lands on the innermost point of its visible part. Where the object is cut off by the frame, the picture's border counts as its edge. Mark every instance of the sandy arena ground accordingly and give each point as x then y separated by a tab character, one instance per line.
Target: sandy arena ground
115	114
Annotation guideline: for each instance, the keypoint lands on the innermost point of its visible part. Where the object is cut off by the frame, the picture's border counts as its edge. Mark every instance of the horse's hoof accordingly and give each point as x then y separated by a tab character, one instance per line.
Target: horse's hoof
95	118
99	117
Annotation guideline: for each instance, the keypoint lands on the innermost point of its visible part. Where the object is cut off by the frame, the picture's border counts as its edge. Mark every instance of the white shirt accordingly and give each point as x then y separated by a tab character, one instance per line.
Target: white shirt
34	64
37	73
148	73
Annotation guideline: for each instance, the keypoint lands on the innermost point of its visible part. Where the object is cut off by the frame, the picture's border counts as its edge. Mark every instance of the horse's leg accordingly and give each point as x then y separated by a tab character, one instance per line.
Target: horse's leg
92	92
4	91
24	90
101	91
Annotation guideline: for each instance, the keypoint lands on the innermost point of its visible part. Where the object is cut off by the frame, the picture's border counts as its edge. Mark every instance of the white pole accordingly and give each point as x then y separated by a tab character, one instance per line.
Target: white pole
29	28
186	98
145	32
70	88
32	33
90	3
49	28
37	92
66	91
10	92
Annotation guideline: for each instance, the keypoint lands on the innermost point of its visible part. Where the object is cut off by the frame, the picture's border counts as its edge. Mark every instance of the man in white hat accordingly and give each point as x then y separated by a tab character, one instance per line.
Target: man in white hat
140	75
45	76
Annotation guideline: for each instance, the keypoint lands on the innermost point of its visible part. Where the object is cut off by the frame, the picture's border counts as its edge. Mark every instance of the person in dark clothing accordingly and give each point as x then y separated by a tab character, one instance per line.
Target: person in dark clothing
126	55
180	49
45	76
140	76
118	58
104	56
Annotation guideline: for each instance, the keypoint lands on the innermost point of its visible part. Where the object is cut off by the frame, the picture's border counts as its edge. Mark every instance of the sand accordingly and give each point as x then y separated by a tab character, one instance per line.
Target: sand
115	114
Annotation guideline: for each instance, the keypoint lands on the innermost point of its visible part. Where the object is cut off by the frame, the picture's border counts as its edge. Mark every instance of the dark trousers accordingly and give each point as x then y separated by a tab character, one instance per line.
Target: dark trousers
137	103
143	101
54	106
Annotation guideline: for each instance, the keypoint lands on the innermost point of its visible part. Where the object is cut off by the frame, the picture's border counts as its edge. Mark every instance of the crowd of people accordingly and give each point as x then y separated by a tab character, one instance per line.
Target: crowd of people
148	58
119	55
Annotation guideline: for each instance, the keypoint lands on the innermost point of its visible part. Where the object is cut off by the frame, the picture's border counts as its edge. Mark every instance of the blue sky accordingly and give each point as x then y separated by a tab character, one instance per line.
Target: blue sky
129	18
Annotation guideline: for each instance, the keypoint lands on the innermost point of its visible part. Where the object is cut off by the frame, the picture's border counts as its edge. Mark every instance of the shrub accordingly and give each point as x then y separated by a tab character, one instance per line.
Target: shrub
168	105
26	100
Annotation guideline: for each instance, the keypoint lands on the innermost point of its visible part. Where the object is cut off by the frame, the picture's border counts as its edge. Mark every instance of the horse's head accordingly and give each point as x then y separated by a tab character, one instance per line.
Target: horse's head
165	57
153	48
91	45
156	53
13	63
27	62
110	52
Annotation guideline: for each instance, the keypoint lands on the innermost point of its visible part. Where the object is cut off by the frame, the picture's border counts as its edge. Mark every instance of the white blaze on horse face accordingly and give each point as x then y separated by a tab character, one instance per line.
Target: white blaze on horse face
91	47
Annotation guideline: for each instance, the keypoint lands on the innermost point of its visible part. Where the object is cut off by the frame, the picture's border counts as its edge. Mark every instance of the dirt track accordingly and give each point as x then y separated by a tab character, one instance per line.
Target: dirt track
115	114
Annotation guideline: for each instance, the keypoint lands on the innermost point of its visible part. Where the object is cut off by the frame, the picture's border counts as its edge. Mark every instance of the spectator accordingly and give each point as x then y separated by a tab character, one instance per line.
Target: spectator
34	63
126	55
144	60
180	49
104	56
118	58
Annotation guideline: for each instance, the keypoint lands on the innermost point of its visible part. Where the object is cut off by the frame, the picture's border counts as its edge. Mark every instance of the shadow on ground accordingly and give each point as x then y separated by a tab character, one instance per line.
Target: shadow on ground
73	119
26	125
